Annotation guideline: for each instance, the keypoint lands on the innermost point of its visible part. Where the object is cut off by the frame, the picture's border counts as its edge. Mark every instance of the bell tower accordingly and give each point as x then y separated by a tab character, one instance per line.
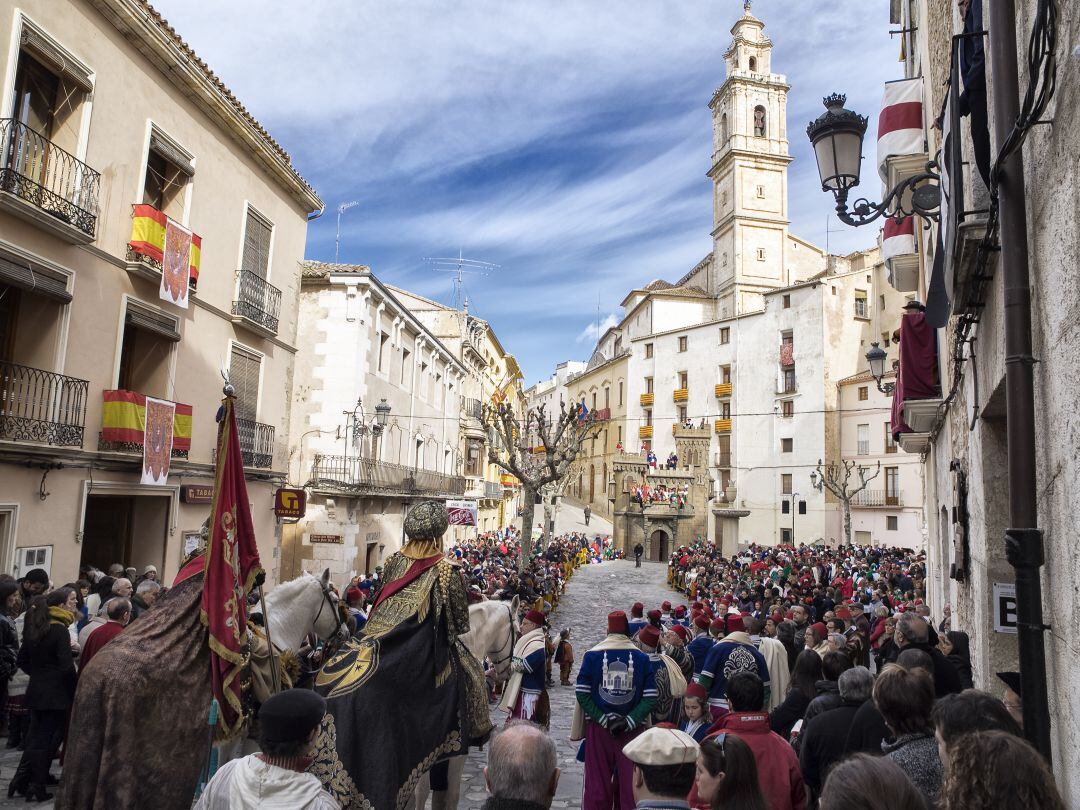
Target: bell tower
749	172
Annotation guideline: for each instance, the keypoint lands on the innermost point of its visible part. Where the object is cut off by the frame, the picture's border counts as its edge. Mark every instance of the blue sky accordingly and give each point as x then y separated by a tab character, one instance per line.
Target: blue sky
565	140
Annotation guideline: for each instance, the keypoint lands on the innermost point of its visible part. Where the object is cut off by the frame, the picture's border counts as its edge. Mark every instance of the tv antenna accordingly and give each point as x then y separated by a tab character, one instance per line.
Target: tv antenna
460	267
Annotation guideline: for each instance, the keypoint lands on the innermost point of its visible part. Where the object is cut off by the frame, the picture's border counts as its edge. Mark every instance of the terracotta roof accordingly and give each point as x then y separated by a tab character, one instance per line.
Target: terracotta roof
658	284
312	269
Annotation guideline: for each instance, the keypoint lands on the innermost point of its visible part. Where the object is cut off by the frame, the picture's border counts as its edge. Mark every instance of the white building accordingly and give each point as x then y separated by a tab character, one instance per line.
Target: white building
553	391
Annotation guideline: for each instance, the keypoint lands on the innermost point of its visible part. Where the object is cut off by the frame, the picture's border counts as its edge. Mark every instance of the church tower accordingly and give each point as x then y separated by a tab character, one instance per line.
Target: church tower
749	172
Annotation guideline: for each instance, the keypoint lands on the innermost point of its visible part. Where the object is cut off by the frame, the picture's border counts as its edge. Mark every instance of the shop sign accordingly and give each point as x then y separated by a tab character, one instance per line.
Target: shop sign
1004	607
461	513
327	538
197	493
290	503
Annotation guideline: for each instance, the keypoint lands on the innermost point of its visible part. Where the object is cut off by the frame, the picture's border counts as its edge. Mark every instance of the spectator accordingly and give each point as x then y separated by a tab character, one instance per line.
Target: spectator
956	647
833	665
727	776
276	777
522	769
97	620
905	699
145	596
35	583
801	690
785	634
957	715
993	769
119	614
149	573
1013	697
664	771
817	638
9	640
823	738
122	587
801	617
18	716
913	631
102	593
46	656
865	781
116	571
778	767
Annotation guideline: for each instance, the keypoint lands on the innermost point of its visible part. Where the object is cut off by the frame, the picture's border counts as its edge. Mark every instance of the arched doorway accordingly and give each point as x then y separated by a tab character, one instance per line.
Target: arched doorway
658	546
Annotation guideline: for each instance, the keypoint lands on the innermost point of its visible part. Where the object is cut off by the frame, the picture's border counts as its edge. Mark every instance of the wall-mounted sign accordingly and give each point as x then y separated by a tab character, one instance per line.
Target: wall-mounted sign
461	513
197	493
1005	607
290	503
327	538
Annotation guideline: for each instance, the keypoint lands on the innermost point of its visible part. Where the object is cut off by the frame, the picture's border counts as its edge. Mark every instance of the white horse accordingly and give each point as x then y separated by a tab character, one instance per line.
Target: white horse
493	631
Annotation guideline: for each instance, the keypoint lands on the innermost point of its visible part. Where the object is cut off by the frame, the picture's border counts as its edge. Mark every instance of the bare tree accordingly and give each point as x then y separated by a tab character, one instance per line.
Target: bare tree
537	449
837	479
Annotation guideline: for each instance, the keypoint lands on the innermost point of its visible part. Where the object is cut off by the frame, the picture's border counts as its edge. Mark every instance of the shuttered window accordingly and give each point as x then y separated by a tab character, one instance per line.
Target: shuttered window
244	375
257	233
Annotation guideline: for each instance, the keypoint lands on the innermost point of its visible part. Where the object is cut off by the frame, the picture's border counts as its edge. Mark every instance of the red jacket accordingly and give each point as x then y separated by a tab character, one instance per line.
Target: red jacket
98	639
778	766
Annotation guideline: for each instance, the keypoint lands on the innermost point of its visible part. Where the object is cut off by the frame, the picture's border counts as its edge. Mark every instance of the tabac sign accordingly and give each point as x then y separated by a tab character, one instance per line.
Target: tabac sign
290	503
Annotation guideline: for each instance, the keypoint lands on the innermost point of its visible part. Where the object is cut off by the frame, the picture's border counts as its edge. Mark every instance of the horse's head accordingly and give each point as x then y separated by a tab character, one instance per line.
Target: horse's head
329	621
502	641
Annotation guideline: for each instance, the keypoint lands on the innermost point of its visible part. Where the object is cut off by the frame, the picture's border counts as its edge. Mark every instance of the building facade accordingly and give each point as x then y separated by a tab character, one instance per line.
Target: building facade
117	139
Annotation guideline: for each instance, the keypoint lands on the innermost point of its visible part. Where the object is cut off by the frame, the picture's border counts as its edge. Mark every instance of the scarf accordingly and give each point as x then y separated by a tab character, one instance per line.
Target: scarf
61	616
526	646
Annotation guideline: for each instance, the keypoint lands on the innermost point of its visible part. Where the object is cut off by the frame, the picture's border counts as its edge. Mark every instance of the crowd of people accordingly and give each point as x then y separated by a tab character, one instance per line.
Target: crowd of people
661	493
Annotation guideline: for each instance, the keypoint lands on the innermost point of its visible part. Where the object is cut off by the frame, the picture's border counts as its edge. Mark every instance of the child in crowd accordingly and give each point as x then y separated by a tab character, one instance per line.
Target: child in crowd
564	657
696	718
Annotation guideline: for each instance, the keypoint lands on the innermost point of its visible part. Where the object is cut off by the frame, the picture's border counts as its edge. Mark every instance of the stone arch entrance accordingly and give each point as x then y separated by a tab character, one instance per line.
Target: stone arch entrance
659	545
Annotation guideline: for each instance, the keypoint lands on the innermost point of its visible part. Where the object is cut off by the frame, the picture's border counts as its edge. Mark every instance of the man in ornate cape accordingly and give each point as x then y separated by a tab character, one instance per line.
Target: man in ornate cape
525	696
406	694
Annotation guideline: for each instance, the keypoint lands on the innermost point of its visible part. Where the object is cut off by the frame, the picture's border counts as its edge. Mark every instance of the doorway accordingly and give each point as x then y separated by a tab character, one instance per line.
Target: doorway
658	546
128	529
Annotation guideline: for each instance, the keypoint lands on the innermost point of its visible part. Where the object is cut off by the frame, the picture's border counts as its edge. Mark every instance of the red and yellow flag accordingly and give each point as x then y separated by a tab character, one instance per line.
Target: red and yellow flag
123	419
232	564
148	237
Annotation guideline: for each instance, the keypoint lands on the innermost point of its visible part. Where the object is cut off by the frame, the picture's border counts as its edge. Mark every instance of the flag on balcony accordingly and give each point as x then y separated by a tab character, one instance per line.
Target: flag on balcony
148	239
175	264
123	420
160	416
900	124
232	564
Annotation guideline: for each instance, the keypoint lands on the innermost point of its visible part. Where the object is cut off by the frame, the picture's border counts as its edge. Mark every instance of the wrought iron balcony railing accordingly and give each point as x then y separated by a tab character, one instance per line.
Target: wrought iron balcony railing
472	408
256	443
40	173
364	474
258	301
875	497
41	406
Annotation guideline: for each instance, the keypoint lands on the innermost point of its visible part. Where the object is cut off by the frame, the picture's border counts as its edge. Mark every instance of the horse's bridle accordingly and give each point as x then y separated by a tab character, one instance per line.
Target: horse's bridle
326	600
510	637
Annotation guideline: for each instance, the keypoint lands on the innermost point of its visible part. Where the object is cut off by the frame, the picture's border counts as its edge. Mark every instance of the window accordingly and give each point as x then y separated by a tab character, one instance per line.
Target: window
725	374
437	392
257	234
383	340
786	445
863	440
864	393
683	343
885	340
725	409
607	397
723	129
890	445
787	302
620	393
594	400
761	254
785	536
145	347
787	338
725	334
648	350
620	434
684	379
788	381
682	414
406	368
753	64
881	300
423	388
785	483
869	280
860	304
802	507
760	127
168	170
834	290
892	486
785	507
891	522
244	368
648	385
787	408
648	418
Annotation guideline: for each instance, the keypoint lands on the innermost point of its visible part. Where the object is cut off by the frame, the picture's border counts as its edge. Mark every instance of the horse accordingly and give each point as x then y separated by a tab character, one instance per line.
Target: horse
493	631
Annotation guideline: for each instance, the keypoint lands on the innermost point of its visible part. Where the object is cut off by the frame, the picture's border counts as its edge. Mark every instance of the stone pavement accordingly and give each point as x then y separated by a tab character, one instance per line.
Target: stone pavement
593	592
9	761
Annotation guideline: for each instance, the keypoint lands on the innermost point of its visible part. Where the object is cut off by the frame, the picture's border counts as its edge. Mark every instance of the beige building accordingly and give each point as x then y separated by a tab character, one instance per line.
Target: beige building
102	108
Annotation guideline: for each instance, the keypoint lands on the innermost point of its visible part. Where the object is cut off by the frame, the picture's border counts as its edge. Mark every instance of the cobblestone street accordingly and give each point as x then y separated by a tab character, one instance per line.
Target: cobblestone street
594	591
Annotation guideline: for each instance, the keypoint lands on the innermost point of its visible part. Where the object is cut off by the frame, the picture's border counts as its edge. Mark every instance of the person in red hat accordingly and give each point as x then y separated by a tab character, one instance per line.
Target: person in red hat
696	718
735	652
637	618
717	628
665	616
656	619
526	697
701	643
616	693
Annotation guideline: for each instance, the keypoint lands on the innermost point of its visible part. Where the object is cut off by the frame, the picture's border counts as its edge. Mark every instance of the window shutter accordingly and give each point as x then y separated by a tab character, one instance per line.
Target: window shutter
256	245
244	375
166	149
39	46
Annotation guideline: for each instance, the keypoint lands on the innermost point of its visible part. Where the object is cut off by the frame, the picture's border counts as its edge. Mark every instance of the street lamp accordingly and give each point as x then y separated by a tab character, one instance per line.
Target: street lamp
815	482
359	427
837	137
877	357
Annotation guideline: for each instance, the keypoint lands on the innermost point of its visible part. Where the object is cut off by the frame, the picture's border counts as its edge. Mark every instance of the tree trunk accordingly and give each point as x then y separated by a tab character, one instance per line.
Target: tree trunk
548	518
528	510
846	504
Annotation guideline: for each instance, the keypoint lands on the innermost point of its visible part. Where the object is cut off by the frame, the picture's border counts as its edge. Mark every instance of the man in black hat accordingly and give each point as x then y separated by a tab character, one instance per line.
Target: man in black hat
276	777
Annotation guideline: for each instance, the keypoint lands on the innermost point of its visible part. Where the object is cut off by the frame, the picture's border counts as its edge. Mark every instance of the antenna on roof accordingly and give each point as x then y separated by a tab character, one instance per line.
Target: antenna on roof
460	267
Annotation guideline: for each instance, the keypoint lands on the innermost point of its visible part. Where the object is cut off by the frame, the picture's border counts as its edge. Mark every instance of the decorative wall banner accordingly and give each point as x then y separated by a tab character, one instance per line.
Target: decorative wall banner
175	264
326	538
461	513
290	503
157	441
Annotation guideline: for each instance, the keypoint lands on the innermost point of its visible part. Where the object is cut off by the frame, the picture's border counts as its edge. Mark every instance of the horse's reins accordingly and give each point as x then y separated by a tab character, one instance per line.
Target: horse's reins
510	638
327	601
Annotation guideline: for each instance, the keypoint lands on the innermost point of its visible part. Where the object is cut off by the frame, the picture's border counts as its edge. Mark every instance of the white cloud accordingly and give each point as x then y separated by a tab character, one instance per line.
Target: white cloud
593	333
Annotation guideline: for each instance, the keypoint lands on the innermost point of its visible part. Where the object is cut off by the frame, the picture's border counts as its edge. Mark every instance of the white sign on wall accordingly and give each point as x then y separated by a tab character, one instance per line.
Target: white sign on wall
1005	607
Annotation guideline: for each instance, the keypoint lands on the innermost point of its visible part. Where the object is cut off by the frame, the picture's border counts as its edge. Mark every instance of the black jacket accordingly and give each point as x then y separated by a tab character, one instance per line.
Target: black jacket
963	669
868	731
138	606
9	648
823	741
50	664
828	697
946	678
788	713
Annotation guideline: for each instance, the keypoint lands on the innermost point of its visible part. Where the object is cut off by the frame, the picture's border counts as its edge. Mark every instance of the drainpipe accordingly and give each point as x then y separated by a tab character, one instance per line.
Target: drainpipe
1023	541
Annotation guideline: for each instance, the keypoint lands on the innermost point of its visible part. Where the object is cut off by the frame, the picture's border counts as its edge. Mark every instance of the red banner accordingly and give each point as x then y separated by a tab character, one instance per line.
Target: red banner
232	563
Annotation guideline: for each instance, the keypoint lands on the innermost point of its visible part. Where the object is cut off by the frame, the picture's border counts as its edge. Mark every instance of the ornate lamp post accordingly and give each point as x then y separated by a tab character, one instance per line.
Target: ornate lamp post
877	357
356	424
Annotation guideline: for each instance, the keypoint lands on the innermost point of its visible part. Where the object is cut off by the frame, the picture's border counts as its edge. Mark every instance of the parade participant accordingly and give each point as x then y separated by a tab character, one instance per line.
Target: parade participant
412	638
775	656
119	613
664	770
673	644
277	777
717	629
656	619
637	618
616	692
696	718
639	550
665	613
701	643
670	682
564	657
733	653
680	616
525	696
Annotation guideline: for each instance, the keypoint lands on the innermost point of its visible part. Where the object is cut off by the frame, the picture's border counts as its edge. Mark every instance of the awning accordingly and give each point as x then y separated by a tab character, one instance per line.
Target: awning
900	124
33	277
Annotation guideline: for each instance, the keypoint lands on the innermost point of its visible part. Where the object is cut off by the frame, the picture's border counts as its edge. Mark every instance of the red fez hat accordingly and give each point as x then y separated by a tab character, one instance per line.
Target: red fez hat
681	632
701	623
843	613
696	690
735	624
820	629
649	636
353	594
789	615
697	605
616	622
776	618
636	610
666	605
716	625
729	597
680	610
535	616
654	615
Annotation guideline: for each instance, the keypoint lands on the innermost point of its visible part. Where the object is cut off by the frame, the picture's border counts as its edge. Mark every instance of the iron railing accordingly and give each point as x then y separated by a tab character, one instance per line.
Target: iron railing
875	497
258	300
723	459
473	409
365	474
133	447
36	170
256	443
41	406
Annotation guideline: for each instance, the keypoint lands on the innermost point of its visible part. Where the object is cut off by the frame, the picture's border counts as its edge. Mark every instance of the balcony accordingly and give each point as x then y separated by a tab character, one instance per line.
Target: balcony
257	305
364	475
723	389
146	250
123	424
875	497
44	184
41	407
920	414
645	431
723	459
472	409
722	426
647	400
681	394
914	442
599	415
479	489
256	443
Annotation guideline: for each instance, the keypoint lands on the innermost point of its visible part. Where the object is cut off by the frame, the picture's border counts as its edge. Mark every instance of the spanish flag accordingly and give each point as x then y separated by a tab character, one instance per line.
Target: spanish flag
123	419
148	237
